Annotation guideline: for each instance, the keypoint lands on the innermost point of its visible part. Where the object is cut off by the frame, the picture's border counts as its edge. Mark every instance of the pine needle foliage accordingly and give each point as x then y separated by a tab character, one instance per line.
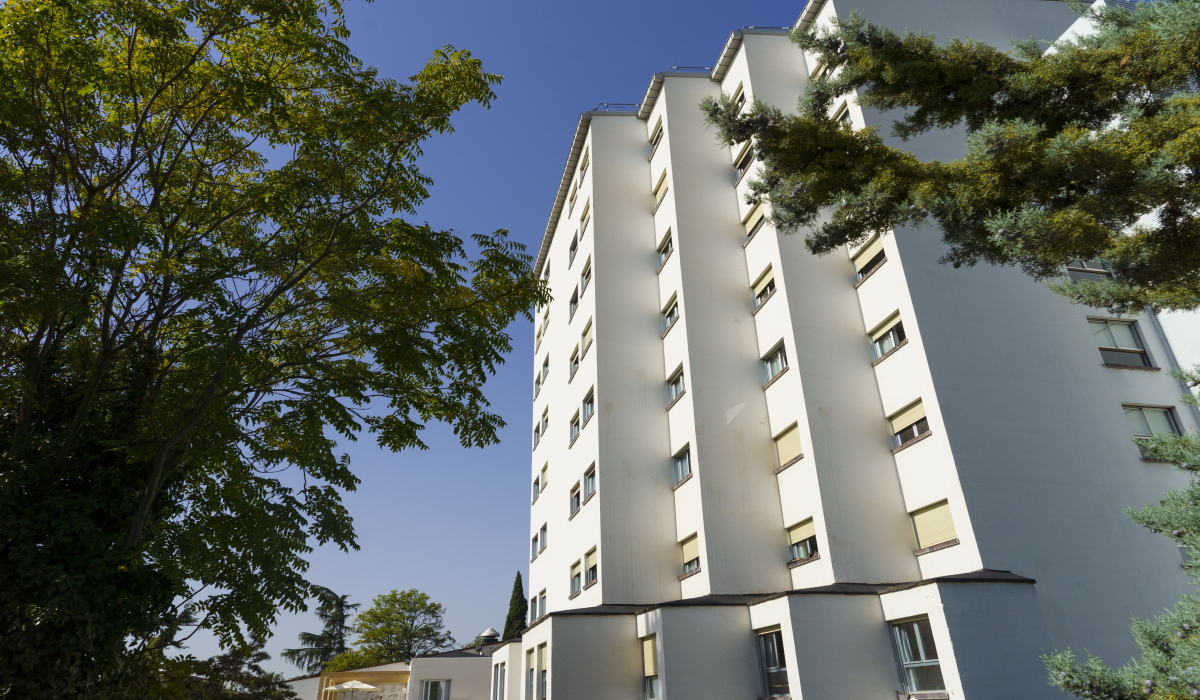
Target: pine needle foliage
1089	151
518	610
317	648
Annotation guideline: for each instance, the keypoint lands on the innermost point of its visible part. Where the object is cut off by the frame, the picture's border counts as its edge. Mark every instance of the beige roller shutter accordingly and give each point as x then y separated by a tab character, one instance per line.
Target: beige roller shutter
763	281
756	215
908	416
885	327
691	548
801	532
590	559
787	445
933	525
650	655
867	252
575	569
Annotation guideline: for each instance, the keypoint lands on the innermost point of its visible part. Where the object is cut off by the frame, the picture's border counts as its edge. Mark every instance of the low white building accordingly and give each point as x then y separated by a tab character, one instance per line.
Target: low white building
758	472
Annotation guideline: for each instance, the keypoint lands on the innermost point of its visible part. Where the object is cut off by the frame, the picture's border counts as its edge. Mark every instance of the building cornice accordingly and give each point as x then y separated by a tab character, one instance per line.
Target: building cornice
734	42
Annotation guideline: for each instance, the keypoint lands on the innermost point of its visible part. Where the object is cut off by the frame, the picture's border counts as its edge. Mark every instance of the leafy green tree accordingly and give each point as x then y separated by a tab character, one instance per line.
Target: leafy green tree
1091	151
1169	668
518	610
334	611
206	279
237	675
398	626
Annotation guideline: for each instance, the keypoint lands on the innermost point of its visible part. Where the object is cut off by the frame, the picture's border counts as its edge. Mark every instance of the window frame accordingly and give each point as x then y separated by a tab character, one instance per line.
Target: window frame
574	364
656	136
765	671
665	249
576	498
768	362
573	249
443	686
588	409
591	574
895	333
585	277
684	457
576	578
1079	269
573	305
576	427
587	338
674	382
590	483
543	537
671	314
1141	351
902	649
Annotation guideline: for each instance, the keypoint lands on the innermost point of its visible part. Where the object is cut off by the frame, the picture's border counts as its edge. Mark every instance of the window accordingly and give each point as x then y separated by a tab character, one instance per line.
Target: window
887	337
585	278
660	189
933	525
574	362
1088	270
587	339
533	548
498	681
542	603
909	424
573	249
764	287
537	385
545	475
545	367
843	116
682	464
537	435
584	162
574	305
775	363
537	488
537	338
576	501
435	690
671	315
542	537
576	578
529	668
738	99
675	386
1119	343
650	667
545	420
1145	421
585	217
665	249
869	258
918	655
571	199
575	426
802	541
543	668
787	445
774	666
589	482
743	162
533	616
589	406
690	551
656	137
754	221
821	71
591	569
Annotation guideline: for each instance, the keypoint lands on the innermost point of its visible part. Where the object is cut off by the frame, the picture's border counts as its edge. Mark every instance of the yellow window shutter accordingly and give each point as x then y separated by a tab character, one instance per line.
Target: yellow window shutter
801	532
933	525
590	560
691	548
650	655
756	215
574	569
787	445
763	281
908	416
886	326
867	252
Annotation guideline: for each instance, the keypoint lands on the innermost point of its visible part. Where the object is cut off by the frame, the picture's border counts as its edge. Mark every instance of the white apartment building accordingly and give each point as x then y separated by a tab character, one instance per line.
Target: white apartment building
757	472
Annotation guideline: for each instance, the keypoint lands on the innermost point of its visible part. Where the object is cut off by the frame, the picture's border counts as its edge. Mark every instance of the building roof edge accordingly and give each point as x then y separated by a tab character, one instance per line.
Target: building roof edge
808	14
581	129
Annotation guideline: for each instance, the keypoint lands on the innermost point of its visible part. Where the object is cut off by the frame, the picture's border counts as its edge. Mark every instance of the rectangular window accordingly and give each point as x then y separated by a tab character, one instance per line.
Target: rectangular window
738	99
591	568
933	525
589	482
533	548
542	603
690	551
529	667
869	258
537	385
843	116
755	220
533	614
545	420
664	250
675	386
543	671
576	500
435	690
1088	270
660	189
584	162
589	405
773	663
802	540
574	362
887	337
575	426
545	475
650	667
682	463
544	540
671	315
573	249
585	218
656	137
1144	421
545	367
774	364
764	288
498	682
585	278
1119	343
909	424
787	445
744	160
537	489
537	435
573	305
572	198
576	577
587	339
918	656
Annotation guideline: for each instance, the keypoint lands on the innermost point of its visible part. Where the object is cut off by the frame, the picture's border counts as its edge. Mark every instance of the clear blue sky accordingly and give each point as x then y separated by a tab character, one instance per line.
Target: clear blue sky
448	521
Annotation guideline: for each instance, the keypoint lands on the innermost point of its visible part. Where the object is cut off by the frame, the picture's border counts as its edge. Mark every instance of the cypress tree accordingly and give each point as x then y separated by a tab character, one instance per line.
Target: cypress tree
518	609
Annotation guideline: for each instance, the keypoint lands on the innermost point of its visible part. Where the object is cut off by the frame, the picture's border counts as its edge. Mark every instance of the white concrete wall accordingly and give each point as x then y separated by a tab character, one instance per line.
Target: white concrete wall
705	653
306	688
469	676
595	656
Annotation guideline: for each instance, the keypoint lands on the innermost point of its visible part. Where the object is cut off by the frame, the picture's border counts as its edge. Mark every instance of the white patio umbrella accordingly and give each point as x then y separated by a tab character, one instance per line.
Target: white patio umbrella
352	685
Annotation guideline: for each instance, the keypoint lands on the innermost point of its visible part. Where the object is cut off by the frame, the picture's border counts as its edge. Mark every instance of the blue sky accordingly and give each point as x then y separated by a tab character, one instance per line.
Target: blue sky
449	521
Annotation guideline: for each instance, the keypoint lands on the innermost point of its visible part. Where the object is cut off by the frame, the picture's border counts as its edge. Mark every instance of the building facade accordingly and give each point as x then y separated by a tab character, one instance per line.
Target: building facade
758	472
